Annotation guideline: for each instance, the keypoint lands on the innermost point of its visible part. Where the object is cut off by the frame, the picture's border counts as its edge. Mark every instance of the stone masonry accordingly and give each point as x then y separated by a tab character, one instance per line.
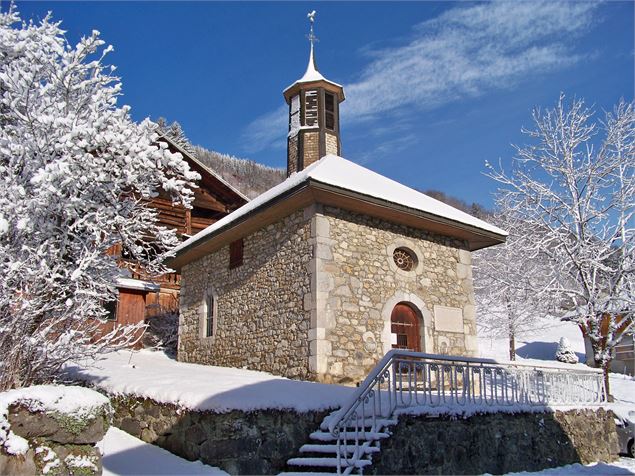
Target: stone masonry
292	156
311	147
357	284
331	144
261	320
314	297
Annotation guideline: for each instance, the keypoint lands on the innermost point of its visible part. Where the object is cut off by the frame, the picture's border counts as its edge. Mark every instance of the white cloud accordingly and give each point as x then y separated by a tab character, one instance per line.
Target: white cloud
267	131
464	52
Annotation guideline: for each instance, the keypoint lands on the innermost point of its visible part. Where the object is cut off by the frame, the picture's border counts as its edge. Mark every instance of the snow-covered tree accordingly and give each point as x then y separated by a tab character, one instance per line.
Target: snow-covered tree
175	132
576	183
565	352
508	281
75	176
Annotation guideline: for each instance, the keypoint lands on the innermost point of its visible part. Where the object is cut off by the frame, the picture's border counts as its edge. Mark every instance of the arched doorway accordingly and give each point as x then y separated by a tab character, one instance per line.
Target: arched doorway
404	327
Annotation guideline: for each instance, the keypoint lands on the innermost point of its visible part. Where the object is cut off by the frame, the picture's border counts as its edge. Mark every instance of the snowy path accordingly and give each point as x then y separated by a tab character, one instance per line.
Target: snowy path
126	455
621	466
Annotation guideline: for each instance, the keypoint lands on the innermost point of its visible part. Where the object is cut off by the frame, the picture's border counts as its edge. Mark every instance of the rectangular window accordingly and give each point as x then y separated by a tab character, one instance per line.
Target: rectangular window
236	254
209	316
329	106
111	308
311	108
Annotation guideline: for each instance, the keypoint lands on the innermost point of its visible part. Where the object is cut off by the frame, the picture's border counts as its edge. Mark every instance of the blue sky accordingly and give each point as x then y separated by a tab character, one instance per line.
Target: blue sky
434	89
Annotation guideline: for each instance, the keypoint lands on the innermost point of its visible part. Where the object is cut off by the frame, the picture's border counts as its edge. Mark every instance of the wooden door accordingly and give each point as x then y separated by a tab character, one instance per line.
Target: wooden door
405	324
132	306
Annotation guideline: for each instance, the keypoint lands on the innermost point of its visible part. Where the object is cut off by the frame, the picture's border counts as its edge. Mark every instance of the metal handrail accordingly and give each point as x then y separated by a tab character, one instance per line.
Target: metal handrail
404	379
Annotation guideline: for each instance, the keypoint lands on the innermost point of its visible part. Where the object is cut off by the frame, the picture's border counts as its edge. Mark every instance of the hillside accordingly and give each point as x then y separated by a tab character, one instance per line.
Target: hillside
250	177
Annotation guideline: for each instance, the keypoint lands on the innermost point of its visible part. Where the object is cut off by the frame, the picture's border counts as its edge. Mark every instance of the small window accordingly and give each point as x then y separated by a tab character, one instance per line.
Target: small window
329	106
111	309
404	259
209	315
236	254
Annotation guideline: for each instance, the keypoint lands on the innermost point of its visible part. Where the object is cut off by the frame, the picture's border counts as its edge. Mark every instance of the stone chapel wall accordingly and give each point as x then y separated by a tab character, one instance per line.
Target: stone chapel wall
358	285
261	319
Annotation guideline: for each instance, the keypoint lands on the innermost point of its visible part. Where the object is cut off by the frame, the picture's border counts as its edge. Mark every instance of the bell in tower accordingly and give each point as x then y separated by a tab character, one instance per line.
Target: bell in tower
314	115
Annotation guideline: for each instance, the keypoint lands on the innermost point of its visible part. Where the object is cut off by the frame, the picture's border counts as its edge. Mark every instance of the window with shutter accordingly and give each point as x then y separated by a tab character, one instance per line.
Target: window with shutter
236	254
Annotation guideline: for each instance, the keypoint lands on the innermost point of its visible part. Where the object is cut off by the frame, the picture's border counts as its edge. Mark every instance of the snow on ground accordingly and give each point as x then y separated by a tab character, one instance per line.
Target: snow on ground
621	466
539	348
540	345
154	375
124	454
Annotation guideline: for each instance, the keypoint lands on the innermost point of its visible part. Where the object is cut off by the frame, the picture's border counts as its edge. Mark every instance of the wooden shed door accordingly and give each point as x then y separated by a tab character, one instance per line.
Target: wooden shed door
404	323
132	306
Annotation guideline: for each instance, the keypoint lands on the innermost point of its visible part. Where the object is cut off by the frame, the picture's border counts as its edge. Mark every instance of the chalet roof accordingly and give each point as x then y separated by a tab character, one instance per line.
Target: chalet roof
191	157
358	183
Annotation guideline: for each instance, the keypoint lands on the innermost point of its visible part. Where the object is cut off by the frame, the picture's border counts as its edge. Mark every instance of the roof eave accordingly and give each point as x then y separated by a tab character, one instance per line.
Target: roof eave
320	192
325	83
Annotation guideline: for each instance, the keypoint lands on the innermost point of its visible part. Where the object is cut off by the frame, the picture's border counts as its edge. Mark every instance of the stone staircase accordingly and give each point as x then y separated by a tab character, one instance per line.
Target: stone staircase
329	454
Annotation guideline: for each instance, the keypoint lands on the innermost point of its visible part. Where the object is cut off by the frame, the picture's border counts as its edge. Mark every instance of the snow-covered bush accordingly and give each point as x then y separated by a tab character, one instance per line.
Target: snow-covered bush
565	352
76	174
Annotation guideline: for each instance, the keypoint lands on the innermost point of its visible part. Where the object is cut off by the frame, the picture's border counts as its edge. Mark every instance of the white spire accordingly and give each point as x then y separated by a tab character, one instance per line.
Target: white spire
312	73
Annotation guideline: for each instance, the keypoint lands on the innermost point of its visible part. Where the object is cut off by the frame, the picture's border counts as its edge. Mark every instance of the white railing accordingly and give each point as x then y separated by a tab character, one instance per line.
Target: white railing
405	380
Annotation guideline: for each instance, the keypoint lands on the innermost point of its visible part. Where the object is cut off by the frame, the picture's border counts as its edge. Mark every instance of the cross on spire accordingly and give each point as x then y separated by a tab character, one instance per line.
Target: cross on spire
311	36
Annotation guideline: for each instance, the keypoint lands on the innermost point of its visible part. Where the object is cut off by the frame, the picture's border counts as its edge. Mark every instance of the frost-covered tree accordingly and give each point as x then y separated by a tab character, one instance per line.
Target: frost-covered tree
75	176
175	132
576	182
508	281
565	352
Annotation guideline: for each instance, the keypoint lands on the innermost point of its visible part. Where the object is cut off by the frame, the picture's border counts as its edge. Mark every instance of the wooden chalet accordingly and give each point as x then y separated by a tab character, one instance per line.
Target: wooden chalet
140	295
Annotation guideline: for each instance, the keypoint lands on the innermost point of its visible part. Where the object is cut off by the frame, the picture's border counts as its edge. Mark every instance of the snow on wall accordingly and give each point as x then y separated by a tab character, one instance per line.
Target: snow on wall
77	402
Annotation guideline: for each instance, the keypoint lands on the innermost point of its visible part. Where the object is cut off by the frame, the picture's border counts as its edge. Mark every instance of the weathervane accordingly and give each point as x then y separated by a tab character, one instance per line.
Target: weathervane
312	38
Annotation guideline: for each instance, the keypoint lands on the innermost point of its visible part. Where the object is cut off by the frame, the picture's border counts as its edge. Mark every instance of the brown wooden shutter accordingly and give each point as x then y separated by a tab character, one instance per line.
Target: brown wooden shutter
235	254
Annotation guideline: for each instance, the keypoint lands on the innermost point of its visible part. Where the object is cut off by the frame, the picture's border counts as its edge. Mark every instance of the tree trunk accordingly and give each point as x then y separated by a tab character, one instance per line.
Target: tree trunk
512	346
605	370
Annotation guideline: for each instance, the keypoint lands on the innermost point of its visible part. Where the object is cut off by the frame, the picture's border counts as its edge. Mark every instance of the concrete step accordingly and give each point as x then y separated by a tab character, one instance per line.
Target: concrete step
326	448
326	463
381	422
349	435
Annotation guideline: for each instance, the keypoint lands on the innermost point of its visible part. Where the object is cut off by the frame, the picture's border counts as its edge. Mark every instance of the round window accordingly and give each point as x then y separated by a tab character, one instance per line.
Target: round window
404	259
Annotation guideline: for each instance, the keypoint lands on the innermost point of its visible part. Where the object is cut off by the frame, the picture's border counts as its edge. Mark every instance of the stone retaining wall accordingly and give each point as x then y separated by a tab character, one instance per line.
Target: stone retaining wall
497	443
58	444
258	442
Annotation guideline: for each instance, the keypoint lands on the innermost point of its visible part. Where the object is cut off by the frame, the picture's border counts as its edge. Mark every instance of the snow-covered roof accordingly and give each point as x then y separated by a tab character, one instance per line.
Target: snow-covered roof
137	284
207	169
338	172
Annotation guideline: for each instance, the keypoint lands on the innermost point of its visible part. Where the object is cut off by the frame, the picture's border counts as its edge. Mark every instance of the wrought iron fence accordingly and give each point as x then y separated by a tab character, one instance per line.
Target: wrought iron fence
407	380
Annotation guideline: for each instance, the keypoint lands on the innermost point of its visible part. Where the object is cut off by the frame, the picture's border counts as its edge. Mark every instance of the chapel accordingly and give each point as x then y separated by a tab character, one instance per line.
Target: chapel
320	276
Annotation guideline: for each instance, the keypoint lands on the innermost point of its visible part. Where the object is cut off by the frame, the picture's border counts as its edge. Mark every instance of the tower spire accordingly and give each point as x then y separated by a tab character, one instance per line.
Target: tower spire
311	69
314	125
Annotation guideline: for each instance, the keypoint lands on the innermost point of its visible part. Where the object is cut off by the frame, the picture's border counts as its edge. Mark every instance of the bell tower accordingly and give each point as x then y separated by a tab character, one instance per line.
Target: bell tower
314	115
